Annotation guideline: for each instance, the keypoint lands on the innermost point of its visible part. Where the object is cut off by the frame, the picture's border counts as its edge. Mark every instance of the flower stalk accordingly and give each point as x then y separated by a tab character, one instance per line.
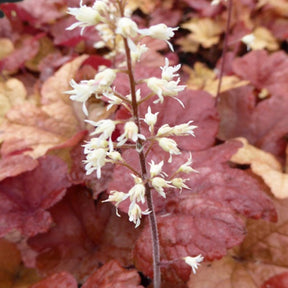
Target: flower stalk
122	36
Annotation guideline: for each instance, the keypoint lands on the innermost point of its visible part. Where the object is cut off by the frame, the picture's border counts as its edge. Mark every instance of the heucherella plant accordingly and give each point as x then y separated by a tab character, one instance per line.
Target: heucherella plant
123	37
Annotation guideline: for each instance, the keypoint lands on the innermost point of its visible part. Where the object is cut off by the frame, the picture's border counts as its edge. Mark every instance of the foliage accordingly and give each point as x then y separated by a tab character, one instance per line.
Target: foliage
55	229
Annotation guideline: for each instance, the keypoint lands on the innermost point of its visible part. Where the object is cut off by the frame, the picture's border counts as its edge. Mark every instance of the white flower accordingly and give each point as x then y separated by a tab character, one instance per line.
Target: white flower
130	132
184	129
86	16
95	160
112	99
115	156
126	27
137	193
118	197
165	130
138	96
100	84
159	183
248	40
168	145
150	119
104	80
135	213
94	143
156	169
81	92
194	262
105	127
186	168
168	71
105	33
162	87
160	31
179	183
137	52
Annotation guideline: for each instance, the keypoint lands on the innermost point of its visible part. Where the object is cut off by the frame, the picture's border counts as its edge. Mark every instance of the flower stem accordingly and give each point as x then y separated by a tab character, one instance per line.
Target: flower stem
142	159
152	215
224	51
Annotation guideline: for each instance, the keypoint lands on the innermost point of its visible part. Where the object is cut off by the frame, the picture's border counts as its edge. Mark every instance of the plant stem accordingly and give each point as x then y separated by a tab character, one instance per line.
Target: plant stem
224	51
139	144
152	215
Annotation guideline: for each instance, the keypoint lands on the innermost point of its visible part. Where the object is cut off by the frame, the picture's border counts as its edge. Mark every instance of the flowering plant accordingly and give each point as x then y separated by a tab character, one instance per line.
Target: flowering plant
121	34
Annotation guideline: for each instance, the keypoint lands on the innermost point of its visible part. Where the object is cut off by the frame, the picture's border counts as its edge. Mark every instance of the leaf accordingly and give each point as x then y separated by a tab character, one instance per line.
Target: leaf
264	70
12	93
231	271
277	281
264	124
264	165
263	38
25	50
186	219
12	272
37	129
261	256
53	89
14	165
83	237
113	275
7	47
205	31
217	181
44	11
196	226
25	198
203	78
57	280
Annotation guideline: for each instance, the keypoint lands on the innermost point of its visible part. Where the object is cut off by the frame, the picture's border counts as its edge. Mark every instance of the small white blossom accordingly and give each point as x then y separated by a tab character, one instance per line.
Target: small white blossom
248	40
162	87
105	127
86	16
95	143
150	119
115	156
135	213
184	129
186	168
138	96
194	262
178	130
112	99
81	92
160	31
156	169
137	52
179	183
104	80
168	71
159	184
126	27
130	132
105	33
165	130
137	193
118	197
168	145
95	160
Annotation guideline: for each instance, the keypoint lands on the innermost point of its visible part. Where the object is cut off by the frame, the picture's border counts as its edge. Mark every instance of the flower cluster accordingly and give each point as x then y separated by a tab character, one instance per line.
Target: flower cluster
121	34
117	29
